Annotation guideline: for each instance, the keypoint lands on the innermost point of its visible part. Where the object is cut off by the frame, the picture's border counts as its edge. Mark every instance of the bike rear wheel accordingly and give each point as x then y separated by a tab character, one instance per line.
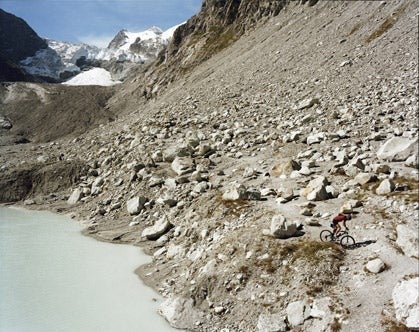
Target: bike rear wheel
326	236
347	241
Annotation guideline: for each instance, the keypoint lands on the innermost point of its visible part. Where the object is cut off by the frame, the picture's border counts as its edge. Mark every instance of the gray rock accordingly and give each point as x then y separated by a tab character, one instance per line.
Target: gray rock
406	302
364	178
180	313
297	312
200	187
397	149
160	227
253	194
135	205
318	194
234	192
386	186
412	161
271	323
315	138
281	228
407	240
75	197
183	165
381	168
5	123
307	103
375	266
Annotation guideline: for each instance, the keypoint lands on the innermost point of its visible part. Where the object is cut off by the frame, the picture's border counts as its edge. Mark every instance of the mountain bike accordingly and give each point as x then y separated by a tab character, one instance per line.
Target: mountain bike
342	237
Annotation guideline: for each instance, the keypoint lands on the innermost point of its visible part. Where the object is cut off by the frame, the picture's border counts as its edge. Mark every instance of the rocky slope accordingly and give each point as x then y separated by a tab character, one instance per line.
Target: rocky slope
228	176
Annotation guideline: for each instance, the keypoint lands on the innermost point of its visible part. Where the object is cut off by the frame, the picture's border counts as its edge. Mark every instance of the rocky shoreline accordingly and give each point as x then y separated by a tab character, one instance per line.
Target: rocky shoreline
228	177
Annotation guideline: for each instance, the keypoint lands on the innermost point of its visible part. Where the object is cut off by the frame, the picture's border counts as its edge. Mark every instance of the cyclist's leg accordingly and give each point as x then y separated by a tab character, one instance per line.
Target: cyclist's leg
337	229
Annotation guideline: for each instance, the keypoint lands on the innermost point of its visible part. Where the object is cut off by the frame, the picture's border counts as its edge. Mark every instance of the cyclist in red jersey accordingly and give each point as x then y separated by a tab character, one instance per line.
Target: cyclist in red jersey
340	218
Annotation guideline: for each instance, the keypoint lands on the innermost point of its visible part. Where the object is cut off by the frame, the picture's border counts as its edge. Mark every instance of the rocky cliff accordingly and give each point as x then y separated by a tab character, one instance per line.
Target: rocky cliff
17	42
215	27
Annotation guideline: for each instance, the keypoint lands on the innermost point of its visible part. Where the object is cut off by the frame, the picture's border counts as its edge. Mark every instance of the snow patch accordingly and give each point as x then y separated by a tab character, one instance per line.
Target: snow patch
95	76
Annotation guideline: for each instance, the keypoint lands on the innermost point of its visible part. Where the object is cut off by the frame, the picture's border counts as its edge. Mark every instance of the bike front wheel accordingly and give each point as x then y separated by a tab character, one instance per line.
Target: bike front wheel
347	241
326	235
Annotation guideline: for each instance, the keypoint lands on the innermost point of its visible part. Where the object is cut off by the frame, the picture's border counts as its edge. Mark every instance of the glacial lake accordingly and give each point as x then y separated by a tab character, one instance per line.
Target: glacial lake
53	279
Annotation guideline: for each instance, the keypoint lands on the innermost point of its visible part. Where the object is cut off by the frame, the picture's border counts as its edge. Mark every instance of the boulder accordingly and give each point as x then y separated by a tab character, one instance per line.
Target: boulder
407	240
285	168
375	266
75	197
297	312
183	165
135	205
271	323
386	186
412	161
316	189
364	178
160	227
180	313
235	192
282	229
397	149
315	138
406	302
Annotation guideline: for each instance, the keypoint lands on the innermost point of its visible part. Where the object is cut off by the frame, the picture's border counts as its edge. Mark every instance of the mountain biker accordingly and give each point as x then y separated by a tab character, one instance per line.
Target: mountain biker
341	217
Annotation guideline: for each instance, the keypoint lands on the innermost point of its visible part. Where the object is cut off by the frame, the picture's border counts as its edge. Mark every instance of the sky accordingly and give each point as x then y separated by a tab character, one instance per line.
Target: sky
96	22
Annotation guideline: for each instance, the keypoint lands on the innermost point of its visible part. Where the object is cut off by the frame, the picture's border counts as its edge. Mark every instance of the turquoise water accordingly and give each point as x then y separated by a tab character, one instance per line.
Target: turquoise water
54	279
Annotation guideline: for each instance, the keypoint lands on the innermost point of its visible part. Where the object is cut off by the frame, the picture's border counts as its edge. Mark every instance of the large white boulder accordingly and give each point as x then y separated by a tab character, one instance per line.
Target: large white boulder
406	302
180	313
281	228
397	149
135	205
